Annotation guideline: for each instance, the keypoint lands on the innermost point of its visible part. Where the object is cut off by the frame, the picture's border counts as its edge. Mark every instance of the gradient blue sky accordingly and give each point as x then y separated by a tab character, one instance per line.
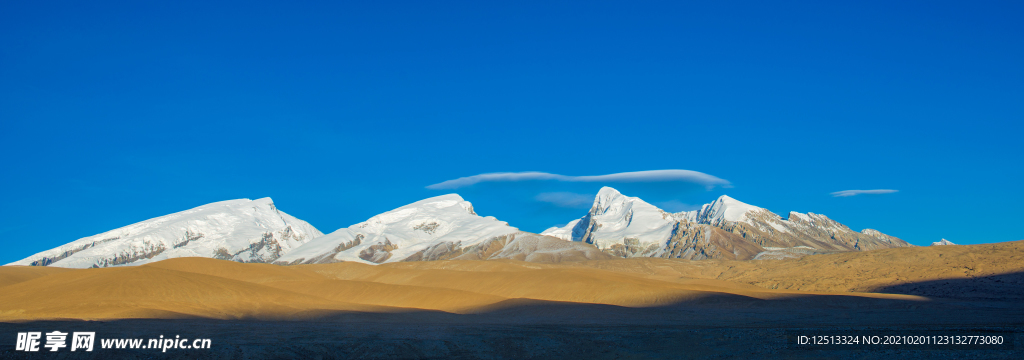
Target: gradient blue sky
116	112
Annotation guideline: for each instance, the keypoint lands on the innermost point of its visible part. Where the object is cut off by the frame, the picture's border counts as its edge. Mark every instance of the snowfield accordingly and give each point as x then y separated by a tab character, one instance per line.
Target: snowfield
240	230
445	220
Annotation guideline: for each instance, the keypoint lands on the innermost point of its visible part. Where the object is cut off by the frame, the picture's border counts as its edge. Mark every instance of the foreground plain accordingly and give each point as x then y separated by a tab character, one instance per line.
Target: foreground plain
650	308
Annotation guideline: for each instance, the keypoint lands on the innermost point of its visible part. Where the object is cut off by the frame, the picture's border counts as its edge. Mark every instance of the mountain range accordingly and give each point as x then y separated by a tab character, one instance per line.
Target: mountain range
446	227
724	229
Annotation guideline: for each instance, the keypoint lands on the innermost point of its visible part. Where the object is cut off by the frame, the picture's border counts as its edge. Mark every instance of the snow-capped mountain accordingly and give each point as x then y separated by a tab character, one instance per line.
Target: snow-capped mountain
615	218
446	227
942	242
440	227
726	228
240	230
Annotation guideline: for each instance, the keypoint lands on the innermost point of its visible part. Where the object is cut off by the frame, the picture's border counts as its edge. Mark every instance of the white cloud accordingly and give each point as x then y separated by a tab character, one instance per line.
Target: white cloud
846	193
566	199
709	181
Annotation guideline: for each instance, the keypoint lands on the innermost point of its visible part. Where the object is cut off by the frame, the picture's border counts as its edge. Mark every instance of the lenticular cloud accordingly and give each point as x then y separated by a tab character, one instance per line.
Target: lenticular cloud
846	193
690	176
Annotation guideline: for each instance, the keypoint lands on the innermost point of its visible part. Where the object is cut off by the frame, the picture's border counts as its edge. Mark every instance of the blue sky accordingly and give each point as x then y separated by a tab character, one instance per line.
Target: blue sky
116	112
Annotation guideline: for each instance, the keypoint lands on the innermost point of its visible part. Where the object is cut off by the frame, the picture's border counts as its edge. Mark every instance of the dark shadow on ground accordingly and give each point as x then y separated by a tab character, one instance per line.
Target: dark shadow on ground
714	326
1005	287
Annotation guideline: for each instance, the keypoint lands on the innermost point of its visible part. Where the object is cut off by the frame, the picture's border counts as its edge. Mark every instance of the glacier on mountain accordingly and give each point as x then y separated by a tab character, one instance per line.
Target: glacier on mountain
425	229
942	243
239	230
725	228
447	227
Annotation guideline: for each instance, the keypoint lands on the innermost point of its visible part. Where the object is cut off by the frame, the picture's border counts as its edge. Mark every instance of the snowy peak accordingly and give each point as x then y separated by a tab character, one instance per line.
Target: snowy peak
441	202
607	195
614	217
433	214
942	243
722	210
240	230
612	203
434	227
607	191
725	228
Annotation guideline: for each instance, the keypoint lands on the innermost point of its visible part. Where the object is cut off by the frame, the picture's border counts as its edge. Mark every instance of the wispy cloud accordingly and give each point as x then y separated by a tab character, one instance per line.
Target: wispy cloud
566	199
690	176
846	193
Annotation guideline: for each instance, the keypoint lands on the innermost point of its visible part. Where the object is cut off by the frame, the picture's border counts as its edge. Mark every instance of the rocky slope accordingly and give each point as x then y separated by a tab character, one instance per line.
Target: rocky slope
724	229
239	230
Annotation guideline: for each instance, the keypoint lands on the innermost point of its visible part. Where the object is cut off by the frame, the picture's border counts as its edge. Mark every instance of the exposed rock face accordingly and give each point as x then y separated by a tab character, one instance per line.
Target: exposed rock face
328	257
891	240
523	246
378	253
531	247
440	251
724	229
239	230
696	241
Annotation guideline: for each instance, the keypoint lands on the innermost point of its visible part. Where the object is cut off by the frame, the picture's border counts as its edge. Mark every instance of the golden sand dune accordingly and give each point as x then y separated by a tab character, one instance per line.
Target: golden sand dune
152	292
10	275
866	271
207	288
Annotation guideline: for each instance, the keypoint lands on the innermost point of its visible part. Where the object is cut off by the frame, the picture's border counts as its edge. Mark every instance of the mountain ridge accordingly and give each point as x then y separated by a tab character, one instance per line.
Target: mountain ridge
725	228
241	230
447	227
426	228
